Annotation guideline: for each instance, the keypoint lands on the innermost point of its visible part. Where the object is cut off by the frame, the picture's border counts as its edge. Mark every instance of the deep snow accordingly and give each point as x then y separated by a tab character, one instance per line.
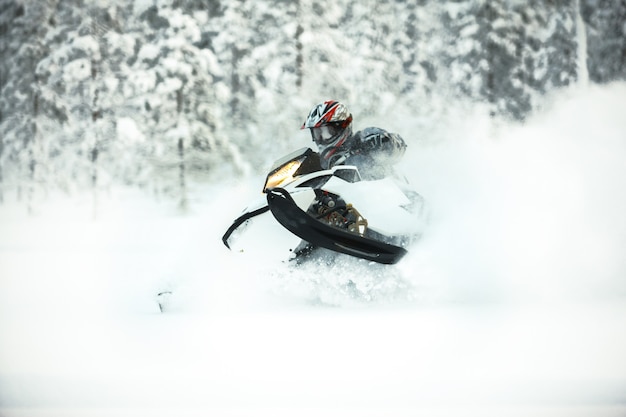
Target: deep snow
513	304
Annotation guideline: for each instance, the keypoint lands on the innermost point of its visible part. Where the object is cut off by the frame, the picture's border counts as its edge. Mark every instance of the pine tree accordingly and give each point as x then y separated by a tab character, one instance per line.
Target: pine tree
507	54
257	45
24	111
163	93
77	77
176	88
606	34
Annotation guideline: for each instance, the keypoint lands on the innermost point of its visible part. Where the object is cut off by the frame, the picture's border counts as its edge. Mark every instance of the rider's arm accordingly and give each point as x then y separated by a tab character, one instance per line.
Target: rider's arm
375	142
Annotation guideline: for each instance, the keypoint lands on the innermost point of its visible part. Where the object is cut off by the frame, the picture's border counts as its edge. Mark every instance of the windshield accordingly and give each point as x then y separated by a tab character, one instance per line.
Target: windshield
287	168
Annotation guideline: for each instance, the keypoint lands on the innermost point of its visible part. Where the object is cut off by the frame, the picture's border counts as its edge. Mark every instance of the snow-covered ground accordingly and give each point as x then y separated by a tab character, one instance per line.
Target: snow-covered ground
513	304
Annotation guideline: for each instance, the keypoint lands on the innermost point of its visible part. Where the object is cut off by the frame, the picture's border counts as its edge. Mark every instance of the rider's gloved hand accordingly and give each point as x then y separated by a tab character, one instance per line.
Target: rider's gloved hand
373	141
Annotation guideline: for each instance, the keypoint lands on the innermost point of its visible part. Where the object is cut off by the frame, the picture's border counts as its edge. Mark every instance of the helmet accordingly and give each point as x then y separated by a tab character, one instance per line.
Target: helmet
330	125
330	111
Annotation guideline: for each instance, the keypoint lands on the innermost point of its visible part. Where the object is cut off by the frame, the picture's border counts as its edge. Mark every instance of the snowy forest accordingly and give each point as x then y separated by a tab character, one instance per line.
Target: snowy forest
158	94
132	133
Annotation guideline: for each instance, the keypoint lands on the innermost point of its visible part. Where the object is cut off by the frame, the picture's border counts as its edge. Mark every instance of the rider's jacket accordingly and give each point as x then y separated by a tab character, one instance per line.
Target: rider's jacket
372	150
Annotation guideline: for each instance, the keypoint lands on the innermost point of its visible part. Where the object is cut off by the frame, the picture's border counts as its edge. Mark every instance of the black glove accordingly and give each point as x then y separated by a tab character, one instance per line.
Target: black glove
373	141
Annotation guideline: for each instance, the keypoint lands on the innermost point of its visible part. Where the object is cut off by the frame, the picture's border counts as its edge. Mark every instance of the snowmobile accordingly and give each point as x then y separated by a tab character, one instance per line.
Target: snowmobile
334	209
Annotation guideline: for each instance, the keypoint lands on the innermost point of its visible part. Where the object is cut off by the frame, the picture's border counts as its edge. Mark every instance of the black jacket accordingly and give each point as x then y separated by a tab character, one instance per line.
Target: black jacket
373	151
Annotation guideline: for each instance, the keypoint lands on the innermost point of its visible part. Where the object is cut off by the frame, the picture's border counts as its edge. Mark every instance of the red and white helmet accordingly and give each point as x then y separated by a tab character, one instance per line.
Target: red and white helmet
330	125
330	111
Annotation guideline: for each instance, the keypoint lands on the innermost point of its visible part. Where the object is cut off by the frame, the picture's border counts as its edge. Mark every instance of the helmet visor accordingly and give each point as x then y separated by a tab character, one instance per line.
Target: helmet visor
326	134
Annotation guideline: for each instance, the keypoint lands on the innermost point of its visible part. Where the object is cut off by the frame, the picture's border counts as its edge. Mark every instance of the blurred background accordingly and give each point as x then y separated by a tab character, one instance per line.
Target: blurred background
161	95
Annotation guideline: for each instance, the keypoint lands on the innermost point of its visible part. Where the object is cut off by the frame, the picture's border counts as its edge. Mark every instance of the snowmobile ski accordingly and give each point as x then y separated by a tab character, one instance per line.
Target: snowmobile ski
319	234
239	221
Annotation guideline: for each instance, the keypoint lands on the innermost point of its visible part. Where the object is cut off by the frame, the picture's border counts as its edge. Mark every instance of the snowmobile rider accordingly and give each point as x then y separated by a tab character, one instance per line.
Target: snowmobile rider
372	150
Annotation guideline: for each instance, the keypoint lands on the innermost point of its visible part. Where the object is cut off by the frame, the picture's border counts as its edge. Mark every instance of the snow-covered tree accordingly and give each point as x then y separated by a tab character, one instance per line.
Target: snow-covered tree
25	113
77	75
508	52
549	51
174	86
606	35
256	44
162	93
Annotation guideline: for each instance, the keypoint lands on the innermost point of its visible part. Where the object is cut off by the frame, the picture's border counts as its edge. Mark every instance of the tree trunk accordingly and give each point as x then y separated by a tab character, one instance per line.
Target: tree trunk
622	17
32	163
299	53
181	174
96	114
181	154
582	72
491	71
234	80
